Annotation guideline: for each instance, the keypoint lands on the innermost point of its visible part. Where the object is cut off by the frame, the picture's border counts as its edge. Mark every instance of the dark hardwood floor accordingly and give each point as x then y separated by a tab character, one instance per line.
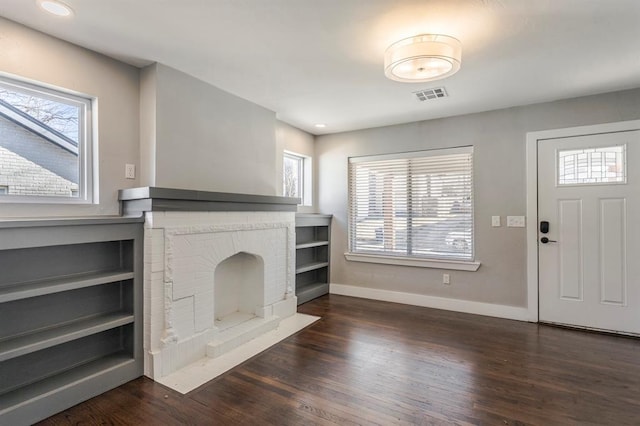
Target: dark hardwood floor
378	363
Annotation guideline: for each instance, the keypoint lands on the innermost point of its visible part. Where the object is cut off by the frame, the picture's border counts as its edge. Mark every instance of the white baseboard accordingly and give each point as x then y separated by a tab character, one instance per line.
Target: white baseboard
466	306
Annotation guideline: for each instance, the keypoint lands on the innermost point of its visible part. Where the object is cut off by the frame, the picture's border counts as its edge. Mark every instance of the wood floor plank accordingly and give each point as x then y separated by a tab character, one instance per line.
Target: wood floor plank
376	363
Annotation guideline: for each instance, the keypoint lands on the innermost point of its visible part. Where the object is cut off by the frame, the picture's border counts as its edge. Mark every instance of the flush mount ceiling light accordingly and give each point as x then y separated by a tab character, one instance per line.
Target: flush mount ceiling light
421	58
55	7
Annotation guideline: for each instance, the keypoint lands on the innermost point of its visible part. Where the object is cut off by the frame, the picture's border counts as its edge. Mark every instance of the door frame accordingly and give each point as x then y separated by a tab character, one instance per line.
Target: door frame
533	138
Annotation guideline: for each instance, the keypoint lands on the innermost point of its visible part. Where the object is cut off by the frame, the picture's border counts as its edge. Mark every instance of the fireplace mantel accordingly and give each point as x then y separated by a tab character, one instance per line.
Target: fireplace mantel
137	201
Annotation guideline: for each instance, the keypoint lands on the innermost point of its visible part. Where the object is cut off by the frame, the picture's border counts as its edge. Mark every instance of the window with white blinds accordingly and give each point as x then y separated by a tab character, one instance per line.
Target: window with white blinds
417	204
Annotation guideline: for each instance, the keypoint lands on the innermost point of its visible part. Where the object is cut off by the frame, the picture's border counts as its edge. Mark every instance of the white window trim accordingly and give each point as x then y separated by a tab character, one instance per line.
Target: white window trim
306	175
412	261
87	161
460	265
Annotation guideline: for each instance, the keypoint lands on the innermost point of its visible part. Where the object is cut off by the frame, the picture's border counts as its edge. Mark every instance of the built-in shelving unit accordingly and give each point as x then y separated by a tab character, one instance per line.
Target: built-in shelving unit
70	313
313	234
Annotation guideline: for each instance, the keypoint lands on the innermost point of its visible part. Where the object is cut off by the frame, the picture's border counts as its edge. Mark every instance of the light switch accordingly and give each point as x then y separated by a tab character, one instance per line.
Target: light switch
495	221
515	221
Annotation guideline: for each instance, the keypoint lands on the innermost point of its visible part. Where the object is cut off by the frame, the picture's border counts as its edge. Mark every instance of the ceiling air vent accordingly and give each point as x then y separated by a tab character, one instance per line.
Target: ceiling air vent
430	94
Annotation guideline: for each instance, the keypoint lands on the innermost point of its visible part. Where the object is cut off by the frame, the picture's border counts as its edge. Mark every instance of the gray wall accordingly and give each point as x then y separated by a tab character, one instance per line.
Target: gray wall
148	101
25	53
498	138
205	138
180	131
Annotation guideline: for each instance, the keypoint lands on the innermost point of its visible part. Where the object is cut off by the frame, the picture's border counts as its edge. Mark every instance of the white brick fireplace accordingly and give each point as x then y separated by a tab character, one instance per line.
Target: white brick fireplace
213	280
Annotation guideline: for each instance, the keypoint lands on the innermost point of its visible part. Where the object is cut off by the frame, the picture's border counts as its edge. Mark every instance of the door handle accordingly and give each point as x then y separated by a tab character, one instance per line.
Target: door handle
545	240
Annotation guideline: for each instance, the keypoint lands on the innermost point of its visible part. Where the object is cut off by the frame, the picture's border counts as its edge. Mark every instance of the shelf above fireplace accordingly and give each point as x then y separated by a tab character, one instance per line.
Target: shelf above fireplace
136	201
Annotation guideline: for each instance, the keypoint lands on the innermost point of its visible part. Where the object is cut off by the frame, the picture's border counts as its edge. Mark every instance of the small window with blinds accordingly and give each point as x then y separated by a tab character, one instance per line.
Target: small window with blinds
417	205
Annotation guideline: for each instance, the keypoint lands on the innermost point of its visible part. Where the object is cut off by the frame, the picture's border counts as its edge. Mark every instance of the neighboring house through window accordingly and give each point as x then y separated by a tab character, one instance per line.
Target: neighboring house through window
45	144
415	205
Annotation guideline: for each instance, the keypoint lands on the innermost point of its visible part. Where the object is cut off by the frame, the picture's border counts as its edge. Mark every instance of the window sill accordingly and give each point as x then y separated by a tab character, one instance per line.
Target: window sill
42	200
406	261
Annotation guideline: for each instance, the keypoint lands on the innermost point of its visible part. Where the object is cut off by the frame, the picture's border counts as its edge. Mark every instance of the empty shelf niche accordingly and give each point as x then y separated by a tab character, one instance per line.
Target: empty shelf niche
34	271
312	255
35	323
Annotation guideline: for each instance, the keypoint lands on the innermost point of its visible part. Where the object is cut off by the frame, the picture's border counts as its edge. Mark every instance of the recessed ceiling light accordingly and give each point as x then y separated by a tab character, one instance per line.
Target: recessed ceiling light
321	125
55	7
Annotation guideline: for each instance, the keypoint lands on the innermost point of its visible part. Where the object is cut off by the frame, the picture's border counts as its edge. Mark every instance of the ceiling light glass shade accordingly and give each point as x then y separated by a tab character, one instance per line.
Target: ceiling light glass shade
424	57
55	7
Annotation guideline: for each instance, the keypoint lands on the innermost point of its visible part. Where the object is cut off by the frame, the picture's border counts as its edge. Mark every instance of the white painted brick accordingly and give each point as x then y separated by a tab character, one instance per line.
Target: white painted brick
184	249
157	238
157	266
285	308
182	317
204	314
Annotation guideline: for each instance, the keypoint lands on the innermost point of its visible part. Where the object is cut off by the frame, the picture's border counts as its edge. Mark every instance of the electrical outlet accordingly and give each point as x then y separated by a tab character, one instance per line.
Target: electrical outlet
130	171
495	221
446	279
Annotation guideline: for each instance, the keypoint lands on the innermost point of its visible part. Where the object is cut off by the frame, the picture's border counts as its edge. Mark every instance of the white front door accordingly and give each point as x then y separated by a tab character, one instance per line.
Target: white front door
589	259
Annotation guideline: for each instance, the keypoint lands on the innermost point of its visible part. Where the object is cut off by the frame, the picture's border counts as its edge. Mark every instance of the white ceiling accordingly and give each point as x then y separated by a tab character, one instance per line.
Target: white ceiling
320	61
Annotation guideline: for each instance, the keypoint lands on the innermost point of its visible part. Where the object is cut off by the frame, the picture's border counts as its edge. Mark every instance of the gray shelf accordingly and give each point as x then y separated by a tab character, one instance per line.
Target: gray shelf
70	313
13	405
22	345
311	267
313	248
136	201
312	244
68	221
311	291
58	284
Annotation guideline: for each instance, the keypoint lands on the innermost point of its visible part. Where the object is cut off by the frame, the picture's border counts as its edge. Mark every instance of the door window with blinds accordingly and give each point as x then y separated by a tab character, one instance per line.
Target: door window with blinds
417	204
